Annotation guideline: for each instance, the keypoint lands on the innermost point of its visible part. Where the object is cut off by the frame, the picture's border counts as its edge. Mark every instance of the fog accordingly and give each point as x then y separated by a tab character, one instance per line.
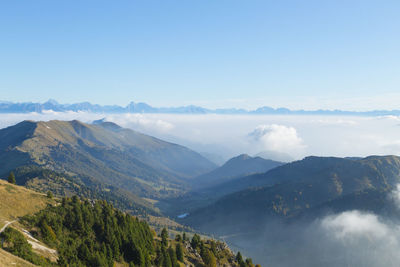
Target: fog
349	238
230	135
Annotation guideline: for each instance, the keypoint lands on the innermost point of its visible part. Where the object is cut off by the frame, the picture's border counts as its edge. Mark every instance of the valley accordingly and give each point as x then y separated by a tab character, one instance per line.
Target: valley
171	186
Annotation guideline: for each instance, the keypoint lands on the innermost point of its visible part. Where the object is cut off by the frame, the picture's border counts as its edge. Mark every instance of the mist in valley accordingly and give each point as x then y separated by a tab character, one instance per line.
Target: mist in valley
348	238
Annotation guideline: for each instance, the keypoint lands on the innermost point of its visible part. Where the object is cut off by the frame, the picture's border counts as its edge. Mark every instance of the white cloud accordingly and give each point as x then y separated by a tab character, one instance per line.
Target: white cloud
277	137
354	224
395	196
228	135
141	122
349	238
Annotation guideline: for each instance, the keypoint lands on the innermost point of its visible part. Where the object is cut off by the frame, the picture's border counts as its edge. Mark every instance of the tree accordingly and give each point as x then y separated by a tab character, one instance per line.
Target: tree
208	257
11	178
184	237
179	252
239	258
164	237
172	256
249	262
178	238
196	241
49	194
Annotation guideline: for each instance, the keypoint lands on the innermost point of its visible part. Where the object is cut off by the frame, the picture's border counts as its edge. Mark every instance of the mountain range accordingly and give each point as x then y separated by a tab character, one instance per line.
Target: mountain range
302	188
255	204
103	157
132	107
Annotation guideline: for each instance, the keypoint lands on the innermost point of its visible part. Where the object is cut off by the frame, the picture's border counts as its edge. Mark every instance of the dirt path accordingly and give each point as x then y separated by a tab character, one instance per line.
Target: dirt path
6	225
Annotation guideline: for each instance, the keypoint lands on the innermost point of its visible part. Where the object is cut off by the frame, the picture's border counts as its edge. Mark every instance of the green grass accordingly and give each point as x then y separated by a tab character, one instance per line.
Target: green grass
17	201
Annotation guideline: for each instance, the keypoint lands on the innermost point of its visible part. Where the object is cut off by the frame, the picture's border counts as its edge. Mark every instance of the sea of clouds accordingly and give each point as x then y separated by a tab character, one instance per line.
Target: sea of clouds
230	135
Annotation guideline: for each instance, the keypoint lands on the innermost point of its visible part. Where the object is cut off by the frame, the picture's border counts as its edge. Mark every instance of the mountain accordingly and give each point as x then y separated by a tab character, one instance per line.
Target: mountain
239	166
101	156
132	107
301	188
275	155
38	230
15	202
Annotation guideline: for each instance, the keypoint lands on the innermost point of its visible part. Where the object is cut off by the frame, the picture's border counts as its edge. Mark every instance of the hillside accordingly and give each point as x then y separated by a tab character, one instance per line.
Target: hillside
16	202
239	166
301	187
93	233
8	259
101	155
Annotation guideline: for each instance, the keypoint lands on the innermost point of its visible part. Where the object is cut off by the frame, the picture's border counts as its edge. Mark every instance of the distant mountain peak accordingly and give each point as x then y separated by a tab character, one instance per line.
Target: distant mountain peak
99	121
52	101
241	157
235	167
141	107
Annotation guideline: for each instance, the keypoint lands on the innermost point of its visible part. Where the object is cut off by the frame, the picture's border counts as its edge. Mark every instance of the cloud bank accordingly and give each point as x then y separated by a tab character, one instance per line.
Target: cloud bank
230	135
279	138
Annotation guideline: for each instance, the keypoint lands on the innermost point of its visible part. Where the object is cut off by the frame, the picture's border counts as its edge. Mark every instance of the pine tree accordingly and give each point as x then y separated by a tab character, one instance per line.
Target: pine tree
49	194
179	252
164	237
178	238
11	178
172	255
249	262
196	241
239	258
208	257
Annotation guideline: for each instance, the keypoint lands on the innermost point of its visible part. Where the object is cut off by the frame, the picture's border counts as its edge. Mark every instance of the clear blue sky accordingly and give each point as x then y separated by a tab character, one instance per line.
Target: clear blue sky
224	53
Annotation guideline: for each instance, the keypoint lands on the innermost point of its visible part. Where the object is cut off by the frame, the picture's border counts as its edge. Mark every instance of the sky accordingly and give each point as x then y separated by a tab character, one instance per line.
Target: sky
225	53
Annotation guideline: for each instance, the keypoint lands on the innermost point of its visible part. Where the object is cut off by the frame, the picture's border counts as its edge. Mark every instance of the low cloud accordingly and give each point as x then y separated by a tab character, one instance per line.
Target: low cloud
275	137
228	135
348	238
395	196
141	122
351	225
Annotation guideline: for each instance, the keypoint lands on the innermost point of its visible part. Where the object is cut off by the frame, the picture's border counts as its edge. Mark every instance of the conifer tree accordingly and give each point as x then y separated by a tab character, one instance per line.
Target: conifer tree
164	237
172	256
239	258
179	252
196	241
11	178
49	194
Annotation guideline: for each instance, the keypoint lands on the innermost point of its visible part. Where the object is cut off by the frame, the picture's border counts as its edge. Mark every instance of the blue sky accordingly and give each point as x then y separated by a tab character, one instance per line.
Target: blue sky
225	53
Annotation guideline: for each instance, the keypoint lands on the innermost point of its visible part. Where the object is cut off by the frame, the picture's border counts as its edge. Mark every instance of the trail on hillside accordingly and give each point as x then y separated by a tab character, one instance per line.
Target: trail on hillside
6	225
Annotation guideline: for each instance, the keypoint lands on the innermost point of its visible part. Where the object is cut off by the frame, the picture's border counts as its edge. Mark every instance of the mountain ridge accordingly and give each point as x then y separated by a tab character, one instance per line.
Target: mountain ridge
314	183
92	159
132	107
239	166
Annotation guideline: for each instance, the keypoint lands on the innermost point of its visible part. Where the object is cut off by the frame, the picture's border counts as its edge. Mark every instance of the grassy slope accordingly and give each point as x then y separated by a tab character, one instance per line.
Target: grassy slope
7	259
17	201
